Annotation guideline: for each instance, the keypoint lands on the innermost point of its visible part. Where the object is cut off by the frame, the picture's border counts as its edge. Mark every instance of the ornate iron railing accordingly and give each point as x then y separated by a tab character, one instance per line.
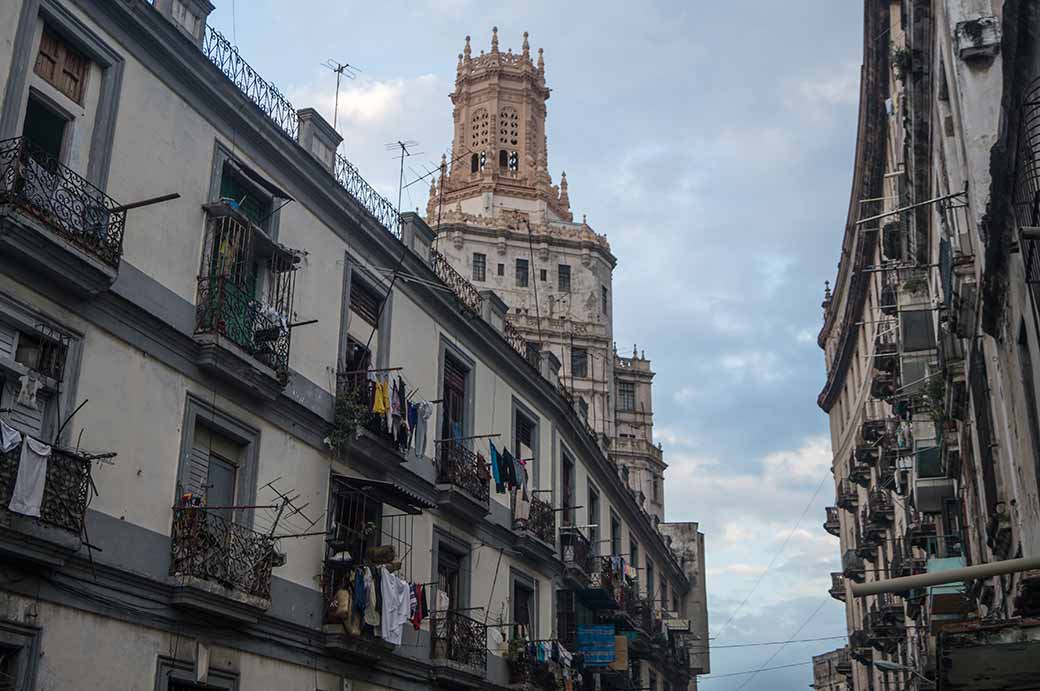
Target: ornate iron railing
460	639
833	523
467	295
208	546
228	303
350	179
63	200
265	95
576	549
514	338
837	590
353	410
66	488
457	465
542	521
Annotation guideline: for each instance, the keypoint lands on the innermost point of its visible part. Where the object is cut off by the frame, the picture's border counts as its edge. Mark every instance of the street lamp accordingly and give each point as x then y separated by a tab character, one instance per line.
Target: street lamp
888	666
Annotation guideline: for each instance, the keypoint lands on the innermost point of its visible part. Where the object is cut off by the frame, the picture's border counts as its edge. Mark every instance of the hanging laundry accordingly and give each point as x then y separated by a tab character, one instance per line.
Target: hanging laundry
10	438
496	471
32	477
389	393
443	601
379	401
29	385
371	596
360	597
425	410
509	469
413	420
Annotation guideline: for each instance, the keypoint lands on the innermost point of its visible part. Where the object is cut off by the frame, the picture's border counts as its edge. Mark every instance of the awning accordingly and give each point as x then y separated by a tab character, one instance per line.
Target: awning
257	179
990	655
385	491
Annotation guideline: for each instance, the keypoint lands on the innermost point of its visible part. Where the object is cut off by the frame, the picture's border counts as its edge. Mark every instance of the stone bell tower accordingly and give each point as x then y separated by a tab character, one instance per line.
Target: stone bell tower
499	160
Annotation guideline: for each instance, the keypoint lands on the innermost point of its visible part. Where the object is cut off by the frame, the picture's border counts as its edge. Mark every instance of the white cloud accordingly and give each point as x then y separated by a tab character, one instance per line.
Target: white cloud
838	87
757	366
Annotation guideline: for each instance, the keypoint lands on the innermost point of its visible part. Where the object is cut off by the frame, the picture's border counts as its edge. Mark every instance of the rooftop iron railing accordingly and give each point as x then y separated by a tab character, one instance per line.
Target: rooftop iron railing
66	202
66	489
210	547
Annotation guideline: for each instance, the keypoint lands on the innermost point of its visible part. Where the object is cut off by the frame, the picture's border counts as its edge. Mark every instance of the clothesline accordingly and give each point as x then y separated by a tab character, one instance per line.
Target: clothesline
472	436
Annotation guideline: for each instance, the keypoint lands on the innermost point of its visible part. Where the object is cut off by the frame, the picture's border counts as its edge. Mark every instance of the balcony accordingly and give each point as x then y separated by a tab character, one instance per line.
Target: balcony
859	647
576	551
218	567
622	446
605	589
536	535
833	524
932	487
950	601
527	673
847	497
880	510
852	566
462	481
57	221
54	535
243	334
357	428
871	432
843	665
886	353
883	385
466	294
859	469
458	650
837	589
920	531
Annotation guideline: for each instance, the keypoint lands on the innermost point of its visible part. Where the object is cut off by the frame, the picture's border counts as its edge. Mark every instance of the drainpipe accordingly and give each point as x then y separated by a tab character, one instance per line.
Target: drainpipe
898	585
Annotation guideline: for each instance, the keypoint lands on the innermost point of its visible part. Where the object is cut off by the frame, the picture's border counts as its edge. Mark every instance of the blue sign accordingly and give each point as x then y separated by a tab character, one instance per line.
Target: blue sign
597	644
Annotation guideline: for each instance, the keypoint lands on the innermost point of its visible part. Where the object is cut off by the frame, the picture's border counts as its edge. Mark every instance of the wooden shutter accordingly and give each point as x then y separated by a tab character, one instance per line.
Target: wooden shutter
7	339
365	302
61	65
27	419
198	471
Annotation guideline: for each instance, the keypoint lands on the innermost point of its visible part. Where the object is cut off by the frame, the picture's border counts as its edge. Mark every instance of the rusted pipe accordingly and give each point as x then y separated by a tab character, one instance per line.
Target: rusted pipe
898	585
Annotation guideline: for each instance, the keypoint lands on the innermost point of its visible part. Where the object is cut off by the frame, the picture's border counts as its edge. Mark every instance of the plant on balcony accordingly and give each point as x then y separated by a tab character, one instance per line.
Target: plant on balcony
351	412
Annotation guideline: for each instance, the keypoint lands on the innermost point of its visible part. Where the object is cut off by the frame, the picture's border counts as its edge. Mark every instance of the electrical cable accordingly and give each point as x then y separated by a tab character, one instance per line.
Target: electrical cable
773	560
784	645
756	645
737	674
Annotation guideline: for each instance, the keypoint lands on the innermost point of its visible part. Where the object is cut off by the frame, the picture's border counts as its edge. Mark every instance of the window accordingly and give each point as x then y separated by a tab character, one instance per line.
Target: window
453	418
249	199
579	362
213	470
655	488
479	266
633	554
604	304
626	392
365	302
501	269
19	652
44	128
615	535
176	675
664	592
563	278
593	520
452	570
524	612
31	354
650	578
567	489
525	439
61	65
521	273
503	160
542	275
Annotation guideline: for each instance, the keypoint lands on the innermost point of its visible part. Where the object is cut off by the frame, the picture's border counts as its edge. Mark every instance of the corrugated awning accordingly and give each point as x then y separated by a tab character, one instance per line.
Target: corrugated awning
258	179
385	491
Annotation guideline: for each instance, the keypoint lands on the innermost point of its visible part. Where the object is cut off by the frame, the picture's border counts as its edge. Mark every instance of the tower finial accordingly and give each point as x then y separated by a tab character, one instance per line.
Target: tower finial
527	48
494	39
458	68
541	61
466	51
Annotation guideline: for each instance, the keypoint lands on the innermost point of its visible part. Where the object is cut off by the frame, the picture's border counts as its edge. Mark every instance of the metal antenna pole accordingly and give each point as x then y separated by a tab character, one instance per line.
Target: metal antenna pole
405	153
341	69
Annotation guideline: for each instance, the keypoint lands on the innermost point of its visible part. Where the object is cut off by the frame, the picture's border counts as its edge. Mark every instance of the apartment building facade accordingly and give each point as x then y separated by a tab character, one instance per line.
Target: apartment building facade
930	336
234	379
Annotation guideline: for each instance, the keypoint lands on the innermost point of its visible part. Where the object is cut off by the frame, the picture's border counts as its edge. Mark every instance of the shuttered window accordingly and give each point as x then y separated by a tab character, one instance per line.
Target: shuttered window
365	302
61	65
213	467
454	398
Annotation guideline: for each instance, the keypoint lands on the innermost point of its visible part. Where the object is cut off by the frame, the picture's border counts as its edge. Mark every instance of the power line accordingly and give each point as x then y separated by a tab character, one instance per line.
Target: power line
784	645
773	560
737	674
755	645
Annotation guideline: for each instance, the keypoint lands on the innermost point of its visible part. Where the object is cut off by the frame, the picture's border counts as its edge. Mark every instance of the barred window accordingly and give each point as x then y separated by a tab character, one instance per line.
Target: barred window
564	278
479	266
521	273
626	392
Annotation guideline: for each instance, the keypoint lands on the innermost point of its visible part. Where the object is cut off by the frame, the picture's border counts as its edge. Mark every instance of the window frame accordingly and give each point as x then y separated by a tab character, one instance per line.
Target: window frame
560	273
444	541
623	398
528	582
198	411
584	352
170	669
111	64
223	158
449	350
479	260
519	410
26	641
354	269
525	273
593	509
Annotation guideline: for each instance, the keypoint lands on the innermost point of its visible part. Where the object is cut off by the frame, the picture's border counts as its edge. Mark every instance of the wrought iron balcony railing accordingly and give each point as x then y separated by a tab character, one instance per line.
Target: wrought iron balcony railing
210	547
576	549
66	488
65	202
229	304
464	291
460	639
353	410
458	466
833	523
837	589
852	566
847	496
542	521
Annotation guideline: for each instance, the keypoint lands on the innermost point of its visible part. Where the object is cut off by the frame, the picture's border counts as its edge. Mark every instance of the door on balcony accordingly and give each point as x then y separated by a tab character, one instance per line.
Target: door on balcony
453	421
44	128
214	470
449	576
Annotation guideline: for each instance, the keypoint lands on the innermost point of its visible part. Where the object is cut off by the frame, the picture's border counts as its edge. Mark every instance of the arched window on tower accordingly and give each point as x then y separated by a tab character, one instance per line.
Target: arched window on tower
503	160
514	162
474	164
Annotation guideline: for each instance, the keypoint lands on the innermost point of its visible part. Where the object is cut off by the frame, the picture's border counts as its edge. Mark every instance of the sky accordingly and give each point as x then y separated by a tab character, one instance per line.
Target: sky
712	143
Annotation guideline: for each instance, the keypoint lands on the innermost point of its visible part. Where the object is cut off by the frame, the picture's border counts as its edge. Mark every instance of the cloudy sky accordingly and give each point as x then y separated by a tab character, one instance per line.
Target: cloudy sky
712	142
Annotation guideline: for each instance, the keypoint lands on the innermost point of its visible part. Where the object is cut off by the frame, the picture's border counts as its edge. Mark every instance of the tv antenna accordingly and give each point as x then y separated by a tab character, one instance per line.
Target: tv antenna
404	146
341	69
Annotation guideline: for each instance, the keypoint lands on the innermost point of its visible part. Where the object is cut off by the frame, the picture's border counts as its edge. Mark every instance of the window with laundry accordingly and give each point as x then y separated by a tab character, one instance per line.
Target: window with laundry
453	416
525	441
521	273
580	362
32	368
366	305
452	574
626	395
479	266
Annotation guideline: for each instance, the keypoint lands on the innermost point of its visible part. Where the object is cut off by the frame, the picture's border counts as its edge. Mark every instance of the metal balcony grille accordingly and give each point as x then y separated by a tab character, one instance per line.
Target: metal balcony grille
208	546
66	489
576	549
65	202
542	521
460	639
457	465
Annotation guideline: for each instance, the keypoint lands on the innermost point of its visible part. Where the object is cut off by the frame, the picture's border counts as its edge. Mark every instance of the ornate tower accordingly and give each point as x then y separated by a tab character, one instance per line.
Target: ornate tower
499	160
